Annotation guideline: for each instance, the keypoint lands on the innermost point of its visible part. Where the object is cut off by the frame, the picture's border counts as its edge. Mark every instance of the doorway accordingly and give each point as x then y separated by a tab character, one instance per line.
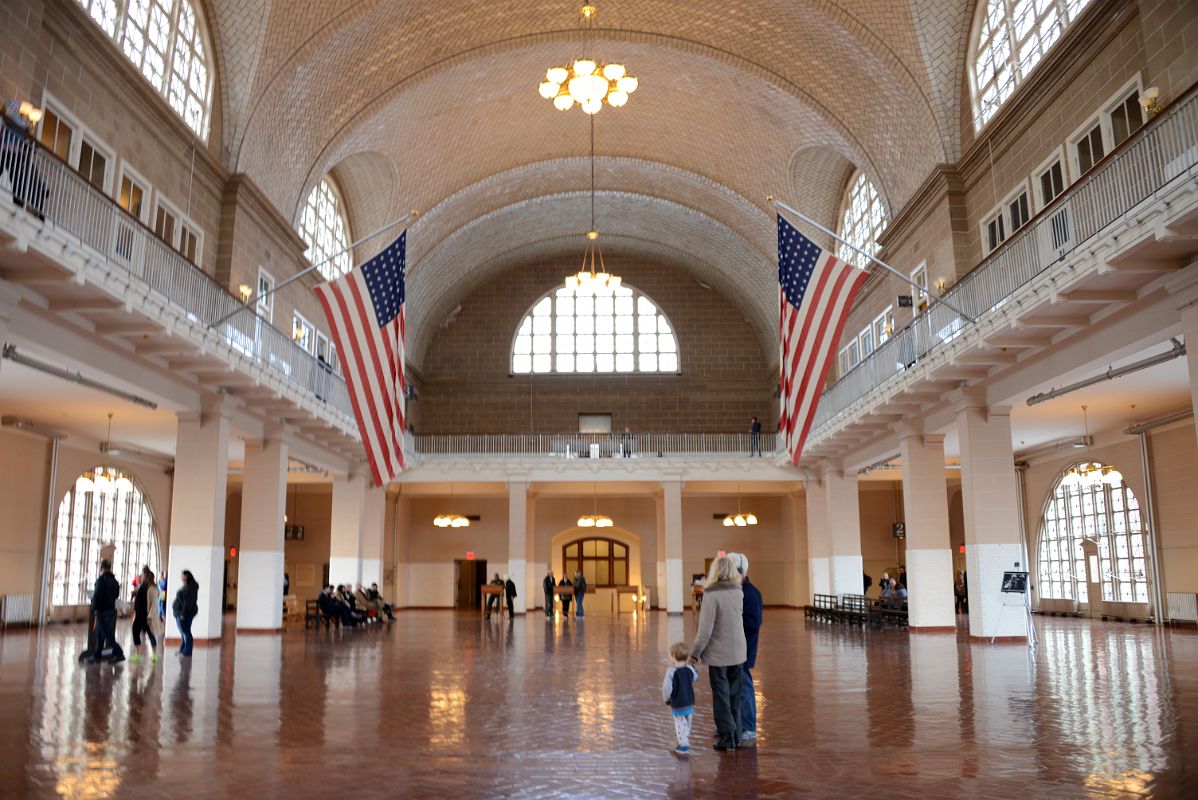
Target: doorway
468	579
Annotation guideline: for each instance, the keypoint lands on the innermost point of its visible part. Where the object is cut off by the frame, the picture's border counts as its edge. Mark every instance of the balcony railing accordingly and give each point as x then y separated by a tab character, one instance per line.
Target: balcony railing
1157	155
594	445
53	191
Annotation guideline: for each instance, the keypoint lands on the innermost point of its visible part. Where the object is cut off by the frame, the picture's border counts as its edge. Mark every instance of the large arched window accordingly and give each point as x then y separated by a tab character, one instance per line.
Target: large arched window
322	225
1107	513
604	330
104	506
1009	39
862	220
165	40
603	562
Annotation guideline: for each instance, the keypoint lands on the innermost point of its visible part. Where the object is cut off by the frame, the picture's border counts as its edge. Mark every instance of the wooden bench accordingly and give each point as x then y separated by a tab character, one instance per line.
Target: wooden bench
853	609
885	613
824	608
635	591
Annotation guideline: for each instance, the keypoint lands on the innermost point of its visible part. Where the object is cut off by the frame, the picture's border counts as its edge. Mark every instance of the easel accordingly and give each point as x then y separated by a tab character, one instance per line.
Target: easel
1015	583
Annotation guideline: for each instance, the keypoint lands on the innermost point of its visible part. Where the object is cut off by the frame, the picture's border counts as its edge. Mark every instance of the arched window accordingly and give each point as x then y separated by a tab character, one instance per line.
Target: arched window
105	506
1009	39
604	330
862	220
1107	513
603	562
165	40
322	225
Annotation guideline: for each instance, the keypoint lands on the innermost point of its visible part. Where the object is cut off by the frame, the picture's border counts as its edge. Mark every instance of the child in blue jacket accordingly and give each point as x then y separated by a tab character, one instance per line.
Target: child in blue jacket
678	692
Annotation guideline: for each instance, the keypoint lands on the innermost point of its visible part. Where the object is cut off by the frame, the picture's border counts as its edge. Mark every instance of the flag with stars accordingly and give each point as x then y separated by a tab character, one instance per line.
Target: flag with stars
364	308
817	291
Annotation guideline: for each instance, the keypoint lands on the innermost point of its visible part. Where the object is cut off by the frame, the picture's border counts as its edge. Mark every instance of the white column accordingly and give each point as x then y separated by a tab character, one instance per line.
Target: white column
931	603
345	540
660	600
374	516
672	528
1189	326
517	547
197	535
991	506
844	524
819	546
403	522
263	499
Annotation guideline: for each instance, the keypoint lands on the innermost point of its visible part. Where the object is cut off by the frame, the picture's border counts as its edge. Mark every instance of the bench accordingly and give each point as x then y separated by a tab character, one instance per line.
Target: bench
886	613
313	616
824	608
853	609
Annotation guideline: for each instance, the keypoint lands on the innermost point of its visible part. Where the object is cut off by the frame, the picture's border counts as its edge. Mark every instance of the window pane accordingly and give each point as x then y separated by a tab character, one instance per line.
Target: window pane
588	548
602	547
602	573
620	573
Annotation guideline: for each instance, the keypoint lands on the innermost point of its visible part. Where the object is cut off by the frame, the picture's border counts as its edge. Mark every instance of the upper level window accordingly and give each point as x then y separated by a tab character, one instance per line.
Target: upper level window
322	225
163	39
862	220
1009	39
580	330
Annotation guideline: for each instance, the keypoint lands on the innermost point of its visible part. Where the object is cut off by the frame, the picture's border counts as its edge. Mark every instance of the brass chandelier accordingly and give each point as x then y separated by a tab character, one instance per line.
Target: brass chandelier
451	520
739	519
587	83
1091	473
594	519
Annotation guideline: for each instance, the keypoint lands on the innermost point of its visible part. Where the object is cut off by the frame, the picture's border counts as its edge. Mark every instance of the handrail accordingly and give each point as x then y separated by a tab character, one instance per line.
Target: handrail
1159	153
594	445
50	189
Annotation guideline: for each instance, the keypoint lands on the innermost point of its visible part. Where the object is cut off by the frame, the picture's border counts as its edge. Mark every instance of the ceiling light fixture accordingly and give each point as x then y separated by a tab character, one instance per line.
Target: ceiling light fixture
1091	474
739	519
594	519
451	520
587	82
588	279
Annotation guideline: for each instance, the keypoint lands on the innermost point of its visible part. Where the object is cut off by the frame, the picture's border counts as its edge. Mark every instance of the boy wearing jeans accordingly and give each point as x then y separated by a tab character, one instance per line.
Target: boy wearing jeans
678	692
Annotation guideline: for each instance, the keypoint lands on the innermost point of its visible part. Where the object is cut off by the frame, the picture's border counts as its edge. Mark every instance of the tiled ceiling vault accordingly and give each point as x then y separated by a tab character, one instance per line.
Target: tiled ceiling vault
432	105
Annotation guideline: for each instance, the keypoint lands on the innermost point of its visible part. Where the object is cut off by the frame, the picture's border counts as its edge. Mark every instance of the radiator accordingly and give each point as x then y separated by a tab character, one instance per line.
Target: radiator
17	609
1183	606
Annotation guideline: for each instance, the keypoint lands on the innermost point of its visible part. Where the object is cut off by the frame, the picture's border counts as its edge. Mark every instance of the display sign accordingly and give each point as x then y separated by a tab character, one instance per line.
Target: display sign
1014	582
900	530
469	555
905	301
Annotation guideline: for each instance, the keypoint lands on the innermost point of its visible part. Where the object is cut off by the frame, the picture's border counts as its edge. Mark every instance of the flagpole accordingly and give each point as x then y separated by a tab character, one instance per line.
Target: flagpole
873	258
257	298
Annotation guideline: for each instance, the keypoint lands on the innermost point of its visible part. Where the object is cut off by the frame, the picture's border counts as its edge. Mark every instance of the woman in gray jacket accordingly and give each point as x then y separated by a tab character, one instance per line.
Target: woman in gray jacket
720	646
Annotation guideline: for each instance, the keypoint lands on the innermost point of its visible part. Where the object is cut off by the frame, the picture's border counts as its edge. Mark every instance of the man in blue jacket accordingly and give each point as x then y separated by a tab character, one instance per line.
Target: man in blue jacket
753	606
104	597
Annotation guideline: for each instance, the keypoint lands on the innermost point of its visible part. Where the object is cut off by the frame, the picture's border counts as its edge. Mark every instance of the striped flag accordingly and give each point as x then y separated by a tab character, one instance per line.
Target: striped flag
817	291
364	308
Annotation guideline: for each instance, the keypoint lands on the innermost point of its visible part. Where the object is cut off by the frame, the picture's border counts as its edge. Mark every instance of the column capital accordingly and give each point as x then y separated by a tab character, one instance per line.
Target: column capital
967	397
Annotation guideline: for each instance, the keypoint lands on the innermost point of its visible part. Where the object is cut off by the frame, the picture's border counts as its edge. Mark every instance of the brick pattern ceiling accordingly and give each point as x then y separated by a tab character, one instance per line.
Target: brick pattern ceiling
432	104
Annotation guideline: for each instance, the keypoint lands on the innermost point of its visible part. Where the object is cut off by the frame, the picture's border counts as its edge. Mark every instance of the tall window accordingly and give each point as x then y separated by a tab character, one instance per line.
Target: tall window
163	39
603	562
104	506
580	330
322	225
1109	515
1009	39
862	220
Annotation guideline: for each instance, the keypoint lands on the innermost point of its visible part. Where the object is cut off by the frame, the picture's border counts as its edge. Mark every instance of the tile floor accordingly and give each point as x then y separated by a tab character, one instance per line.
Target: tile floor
444	704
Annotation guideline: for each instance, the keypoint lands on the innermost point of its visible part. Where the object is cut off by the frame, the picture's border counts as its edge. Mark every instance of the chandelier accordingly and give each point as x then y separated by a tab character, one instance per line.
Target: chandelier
739	519
594	519
587	82
104	480
1090	474
451	520
588	278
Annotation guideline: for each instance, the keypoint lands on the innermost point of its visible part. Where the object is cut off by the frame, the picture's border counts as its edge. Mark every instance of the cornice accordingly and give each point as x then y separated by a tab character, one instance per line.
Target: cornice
943	181
252	199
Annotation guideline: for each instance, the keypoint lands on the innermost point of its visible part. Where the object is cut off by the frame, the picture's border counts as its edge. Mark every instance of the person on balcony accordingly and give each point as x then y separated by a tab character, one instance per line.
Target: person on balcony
755	431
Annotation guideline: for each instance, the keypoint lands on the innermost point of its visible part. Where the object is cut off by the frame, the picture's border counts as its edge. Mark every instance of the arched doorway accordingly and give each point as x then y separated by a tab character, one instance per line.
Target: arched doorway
1092	508
105	506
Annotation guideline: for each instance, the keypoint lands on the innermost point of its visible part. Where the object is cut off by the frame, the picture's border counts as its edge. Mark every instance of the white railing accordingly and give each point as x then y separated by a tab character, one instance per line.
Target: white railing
594	445
1163	151
49	189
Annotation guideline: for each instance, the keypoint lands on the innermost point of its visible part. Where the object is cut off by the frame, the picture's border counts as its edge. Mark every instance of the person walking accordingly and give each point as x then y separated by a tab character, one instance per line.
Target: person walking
548	584
753	607
720	646
493	599
755	430
185	608
510	593
678	692
580	591
145	614
565	597
104	596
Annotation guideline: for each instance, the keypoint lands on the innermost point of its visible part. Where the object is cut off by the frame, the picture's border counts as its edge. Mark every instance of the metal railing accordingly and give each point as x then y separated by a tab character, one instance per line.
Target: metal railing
54	192
1161	152
594	445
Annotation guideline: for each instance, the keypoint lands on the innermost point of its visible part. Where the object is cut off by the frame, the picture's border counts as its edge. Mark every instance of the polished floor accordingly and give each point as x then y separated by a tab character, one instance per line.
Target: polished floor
444	704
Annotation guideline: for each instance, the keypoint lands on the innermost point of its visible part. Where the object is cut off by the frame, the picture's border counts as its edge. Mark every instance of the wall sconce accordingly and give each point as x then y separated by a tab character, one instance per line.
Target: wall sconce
245	292
297	331
30	112
941	284
1150	101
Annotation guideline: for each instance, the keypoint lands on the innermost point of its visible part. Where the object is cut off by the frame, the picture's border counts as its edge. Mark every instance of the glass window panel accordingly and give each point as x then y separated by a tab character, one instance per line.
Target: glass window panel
544	308
665	343
322	226
565	362
584	362
605	325
542	325
624	343
620	573
523	345
604	306
542	343
624	304
667	362
602	573
588	572
647	343
625	325
565	305
648	362
646	324
572	550
564	324
645	307
541	363
584	325
585	305
625	362
605	362
605	344
565	343
602	547
588	548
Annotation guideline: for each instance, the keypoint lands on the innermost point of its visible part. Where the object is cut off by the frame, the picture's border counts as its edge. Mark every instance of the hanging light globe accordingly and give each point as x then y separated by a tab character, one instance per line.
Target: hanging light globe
751	519
460	522
586	521
549	89
1072	478
557	75
123	484
627	84
728	523
1113	478
563	102
584	67
613	72
84	485
617	99
592	106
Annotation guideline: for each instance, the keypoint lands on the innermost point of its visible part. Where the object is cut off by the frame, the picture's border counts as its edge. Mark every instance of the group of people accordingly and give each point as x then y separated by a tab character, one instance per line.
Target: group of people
579	585
726	643
146	615
893	591
357	607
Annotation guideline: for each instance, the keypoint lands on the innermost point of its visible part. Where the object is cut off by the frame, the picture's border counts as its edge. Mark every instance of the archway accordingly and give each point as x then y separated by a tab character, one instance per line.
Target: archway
602	591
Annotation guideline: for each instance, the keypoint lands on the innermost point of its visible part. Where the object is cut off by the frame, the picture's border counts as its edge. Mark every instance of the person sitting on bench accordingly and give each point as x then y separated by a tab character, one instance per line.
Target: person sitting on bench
333	608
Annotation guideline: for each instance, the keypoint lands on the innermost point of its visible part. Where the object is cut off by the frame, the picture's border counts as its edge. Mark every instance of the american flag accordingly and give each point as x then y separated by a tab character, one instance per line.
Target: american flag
817	291
364	308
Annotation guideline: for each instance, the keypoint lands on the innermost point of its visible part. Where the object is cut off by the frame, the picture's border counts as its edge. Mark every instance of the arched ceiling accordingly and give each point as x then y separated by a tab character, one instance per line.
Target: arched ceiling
432	104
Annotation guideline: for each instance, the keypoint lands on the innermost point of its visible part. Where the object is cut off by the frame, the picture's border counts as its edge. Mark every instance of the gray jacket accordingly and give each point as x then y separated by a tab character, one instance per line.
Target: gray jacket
720	640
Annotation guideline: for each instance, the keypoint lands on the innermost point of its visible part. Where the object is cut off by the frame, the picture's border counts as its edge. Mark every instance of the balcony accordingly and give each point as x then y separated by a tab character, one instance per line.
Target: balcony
547	447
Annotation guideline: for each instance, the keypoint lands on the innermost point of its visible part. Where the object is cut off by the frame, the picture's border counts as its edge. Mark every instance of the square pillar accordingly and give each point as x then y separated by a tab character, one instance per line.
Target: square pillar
671	532
1189	326
991	504
517	545
374	518
845	569
345	539
931	604
660	506
197	535
263	500
819	543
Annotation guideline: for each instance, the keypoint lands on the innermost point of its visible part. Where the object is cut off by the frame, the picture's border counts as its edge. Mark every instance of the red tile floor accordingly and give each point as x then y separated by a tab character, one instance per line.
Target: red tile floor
444	704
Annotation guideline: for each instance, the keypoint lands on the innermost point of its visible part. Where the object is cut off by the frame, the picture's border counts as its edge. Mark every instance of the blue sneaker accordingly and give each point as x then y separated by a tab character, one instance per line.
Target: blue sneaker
682	750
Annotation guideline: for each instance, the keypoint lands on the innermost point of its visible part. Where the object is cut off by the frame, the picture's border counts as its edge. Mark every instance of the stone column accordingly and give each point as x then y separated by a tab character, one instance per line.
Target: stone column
845	569
991	505
263	499
345	539
819	547
672	532
403	524
374	517
197	534
517	540
660	503
931	603
1189	326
